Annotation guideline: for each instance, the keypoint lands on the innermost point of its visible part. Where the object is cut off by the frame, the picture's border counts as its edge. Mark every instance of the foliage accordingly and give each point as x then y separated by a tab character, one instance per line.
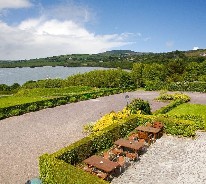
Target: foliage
155	85
195	112
48	92
169	107
5	89
94	143
108	119
115	78
175	96
53	171
187	86
175	126
200	121
137	75
139	105
15	105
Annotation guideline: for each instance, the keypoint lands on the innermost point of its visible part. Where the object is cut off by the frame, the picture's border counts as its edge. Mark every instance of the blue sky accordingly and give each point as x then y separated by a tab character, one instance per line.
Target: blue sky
41	28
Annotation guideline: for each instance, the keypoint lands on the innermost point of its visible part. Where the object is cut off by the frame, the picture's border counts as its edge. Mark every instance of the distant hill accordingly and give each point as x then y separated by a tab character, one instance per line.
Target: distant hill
109	59
123	52
196	53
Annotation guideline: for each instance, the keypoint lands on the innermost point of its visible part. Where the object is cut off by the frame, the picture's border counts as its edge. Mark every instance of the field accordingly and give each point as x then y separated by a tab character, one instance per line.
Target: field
192	109
38	94
14	100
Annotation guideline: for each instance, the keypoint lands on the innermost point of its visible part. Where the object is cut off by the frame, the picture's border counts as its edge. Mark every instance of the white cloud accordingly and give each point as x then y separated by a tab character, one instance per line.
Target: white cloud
6	4
170	44
58	30
36	38
69	11
195	48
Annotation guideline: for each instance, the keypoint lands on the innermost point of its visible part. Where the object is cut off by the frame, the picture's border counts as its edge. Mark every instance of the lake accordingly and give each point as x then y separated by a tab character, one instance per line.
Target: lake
21	75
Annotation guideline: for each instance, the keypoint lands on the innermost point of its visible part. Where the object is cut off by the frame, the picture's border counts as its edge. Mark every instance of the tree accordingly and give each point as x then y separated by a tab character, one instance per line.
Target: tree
137	74
192	71
174	70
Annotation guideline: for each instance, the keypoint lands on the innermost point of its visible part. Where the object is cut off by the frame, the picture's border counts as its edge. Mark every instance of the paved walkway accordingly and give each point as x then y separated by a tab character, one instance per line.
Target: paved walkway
24	138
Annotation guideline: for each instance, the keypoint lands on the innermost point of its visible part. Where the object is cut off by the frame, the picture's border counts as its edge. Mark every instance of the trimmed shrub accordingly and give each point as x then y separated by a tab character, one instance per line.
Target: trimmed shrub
139	104
53	171
176	96
169	107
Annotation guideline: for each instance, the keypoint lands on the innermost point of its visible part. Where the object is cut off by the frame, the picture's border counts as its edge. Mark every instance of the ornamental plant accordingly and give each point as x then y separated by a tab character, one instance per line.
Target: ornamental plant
111	118
137	106
175	96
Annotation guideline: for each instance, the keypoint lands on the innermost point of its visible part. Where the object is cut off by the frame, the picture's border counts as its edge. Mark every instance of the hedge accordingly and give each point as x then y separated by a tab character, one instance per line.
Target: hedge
38	105
59	172
187	86
169	107
59	166
176	86
200	121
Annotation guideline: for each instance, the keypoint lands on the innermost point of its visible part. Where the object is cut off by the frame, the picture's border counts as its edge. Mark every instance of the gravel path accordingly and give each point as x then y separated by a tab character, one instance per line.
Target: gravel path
170	160
24	138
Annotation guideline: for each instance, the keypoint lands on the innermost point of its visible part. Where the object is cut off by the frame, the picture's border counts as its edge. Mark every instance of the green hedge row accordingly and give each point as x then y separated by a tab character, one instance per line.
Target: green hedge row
82	149
187	86
169	107
200	121
97	142
94	143
176	86
34	106
176	126
55	171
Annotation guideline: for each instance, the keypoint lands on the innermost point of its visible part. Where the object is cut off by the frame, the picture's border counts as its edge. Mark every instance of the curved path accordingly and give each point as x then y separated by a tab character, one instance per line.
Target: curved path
24	138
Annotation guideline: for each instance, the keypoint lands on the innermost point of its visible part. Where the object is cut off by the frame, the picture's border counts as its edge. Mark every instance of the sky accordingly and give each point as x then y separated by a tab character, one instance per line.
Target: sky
43	28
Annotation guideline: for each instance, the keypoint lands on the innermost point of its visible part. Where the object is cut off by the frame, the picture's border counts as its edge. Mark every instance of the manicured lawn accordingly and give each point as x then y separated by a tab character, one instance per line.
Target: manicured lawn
192	109
38	94
13	100
51	92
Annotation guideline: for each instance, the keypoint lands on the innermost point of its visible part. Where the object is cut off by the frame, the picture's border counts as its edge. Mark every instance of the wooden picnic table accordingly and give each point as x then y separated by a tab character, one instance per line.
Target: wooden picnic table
158	125
131	144
147	129
102	163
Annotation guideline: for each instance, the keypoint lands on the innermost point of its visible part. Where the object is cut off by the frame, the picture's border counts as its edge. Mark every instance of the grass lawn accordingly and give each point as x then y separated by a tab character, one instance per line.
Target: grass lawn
192	109
13	100
38	94
53	92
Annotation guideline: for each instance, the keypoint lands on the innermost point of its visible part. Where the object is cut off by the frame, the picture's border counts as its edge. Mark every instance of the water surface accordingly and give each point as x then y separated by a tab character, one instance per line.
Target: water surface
21	75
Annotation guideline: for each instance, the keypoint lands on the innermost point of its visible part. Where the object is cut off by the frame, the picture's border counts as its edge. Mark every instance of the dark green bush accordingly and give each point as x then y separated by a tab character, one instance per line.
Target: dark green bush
139	104
6	89
187	86
32	107
113	78
154	85
55	171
